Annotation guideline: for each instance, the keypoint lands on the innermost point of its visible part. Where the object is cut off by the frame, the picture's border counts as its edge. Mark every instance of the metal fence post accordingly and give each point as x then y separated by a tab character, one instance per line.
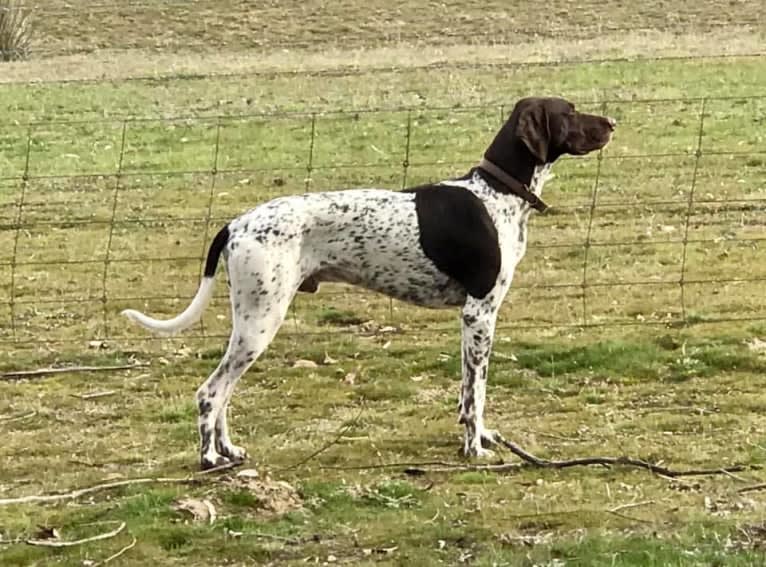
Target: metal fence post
587	244
112	220
690	207
17	234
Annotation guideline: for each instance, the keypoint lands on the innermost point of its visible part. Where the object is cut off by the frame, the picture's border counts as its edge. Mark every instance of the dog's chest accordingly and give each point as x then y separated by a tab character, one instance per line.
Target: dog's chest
512	215
509	215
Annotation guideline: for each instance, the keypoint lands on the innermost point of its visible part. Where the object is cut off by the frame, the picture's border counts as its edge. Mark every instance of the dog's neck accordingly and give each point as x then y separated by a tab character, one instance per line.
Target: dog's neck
505	184
510	155
540	175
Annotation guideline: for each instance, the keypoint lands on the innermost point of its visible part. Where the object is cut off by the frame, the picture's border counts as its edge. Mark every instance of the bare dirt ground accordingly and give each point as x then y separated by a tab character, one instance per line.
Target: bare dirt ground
80	40
84	26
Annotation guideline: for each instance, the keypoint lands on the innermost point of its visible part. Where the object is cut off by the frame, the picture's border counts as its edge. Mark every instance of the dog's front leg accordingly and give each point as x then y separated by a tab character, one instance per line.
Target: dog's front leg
479	316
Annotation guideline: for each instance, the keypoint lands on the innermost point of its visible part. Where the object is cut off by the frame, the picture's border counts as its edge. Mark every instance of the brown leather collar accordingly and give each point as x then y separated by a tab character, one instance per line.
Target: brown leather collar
513	185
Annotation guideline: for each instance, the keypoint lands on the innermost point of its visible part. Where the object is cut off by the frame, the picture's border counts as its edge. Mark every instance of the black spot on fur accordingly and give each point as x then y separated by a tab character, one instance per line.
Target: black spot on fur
205	437
458	235
205	407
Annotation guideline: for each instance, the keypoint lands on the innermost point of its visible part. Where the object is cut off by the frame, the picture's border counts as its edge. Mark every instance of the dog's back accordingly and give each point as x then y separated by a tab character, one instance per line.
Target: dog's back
364	237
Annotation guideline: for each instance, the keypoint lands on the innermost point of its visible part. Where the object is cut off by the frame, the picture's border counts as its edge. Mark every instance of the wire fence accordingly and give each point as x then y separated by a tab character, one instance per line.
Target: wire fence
664	227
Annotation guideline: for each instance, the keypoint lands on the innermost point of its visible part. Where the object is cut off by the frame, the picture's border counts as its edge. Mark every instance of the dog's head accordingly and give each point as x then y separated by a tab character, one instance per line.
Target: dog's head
549	128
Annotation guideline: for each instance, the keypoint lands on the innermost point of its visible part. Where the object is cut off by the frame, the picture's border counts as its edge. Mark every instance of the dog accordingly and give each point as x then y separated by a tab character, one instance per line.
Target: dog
451	244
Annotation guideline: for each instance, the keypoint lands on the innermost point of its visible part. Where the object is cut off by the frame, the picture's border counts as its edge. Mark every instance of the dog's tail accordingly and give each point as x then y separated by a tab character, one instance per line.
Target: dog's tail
192	313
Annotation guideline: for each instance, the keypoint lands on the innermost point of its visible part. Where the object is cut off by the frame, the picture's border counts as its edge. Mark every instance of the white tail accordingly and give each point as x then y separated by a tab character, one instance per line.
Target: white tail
177	324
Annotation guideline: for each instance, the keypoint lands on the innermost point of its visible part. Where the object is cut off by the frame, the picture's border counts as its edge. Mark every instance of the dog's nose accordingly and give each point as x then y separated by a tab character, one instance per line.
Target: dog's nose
612	122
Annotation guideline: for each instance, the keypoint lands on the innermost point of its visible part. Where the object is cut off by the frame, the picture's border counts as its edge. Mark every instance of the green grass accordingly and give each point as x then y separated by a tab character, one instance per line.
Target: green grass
332	316
599	401
600	369
648	360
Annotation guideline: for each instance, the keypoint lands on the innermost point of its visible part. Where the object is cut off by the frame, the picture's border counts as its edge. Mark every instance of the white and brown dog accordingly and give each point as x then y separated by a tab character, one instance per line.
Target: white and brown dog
454	243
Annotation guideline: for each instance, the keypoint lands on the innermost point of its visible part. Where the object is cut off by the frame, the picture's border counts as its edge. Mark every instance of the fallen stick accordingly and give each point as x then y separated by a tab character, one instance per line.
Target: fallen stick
94	395
611	461
12	418
19	374
407	465
74	494
752	488
630	505
128	547
219	468
552	436
531	460
326	446
735	477
56	543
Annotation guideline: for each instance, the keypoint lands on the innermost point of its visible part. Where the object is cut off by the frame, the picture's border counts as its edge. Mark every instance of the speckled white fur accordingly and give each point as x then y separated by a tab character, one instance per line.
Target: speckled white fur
365	237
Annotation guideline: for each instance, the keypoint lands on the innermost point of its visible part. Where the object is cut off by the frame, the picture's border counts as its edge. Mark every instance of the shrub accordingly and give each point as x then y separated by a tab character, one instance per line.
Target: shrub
15	30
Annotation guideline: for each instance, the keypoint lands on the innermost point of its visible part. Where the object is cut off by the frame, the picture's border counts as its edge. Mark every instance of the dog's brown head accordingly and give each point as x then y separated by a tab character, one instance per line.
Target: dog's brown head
548	128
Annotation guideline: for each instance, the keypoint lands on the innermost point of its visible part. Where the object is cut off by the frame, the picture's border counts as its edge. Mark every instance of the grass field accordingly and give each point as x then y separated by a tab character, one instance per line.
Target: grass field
591	354
78	26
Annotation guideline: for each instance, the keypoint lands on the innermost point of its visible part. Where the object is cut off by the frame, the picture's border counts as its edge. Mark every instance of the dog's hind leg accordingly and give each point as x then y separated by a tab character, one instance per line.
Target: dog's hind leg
211	396
259	306
257	329
253	331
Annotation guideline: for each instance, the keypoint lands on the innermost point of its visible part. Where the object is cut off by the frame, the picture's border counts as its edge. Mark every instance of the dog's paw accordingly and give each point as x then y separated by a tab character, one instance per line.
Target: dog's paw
489	438
234	453
479	453
213	461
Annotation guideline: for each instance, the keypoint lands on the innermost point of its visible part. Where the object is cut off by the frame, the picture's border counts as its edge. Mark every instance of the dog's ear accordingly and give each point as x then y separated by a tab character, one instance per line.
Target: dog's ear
534	130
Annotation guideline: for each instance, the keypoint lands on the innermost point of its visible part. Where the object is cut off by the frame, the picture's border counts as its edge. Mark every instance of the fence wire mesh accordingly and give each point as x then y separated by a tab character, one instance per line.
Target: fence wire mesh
664	227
